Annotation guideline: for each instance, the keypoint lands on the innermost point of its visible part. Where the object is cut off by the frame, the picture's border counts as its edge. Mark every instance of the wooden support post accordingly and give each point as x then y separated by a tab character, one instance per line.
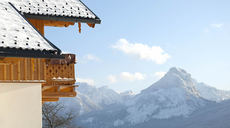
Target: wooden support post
79	27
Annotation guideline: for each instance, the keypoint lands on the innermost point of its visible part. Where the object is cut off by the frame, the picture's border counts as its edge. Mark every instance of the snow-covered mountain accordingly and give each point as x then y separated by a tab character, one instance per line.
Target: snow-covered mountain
211	93
175	97
101	96
90	98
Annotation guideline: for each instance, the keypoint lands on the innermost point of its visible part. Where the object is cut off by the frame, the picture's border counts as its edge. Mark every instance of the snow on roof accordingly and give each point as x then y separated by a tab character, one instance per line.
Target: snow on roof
66	8
16	32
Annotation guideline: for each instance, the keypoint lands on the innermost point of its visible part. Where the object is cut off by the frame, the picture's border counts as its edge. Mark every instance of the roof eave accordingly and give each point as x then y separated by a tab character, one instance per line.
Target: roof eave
63	18
26	53
30	56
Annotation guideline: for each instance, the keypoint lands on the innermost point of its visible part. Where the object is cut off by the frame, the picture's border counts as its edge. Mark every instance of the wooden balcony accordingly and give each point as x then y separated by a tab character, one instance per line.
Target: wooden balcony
60	78
56	75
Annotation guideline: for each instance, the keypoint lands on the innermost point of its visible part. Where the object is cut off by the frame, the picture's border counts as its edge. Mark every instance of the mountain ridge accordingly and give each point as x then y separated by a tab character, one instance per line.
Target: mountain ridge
176	96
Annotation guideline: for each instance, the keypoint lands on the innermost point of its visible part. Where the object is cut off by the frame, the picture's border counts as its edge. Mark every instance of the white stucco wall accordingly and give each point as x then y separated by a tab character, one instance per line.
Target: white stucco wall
20	106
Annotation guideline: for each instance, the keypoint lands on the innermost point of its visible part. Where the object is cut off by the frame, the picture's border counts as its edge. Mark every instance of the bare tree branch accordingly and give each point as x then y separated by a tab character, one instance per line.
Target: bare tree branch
55	117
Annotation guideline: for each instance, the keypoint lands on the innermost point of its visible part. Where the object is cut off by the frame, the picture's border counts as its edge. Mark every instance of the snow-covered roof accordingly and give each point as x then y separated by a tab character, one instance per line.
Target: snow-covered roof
17	34
74	9
18	38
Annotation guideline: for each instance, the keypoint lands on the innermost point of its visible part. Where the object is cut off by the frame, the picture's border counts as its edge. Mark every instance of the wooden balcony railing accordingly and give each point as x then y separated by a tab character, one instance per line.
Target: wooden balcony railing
60	72
60	78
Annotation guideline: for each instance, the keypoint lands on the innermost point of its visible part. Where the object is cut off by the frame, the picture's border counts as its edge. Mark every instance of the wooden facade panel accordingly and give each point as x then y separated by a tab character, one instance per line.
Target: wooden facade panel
13	69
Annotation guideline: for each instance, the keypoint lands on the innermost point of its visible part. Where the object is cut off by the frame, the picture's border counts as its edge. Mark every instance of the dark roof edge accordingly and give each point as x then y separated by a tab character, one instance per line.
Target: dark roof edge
15	52
55	47
61	18
91	11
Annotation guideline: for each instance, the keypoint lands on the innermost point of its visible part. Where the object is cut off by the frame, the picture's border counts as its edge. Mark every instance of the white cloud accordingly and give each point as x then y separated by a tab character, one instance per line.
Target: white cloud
145	52
88	81
132	76
126	76
90	57
159	74
217	25
112	78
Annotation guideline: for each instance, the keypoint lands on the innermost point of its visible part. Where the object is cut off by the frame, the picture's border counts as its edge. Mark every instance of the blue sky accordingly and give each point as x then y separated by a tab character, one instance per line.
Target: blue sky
138	41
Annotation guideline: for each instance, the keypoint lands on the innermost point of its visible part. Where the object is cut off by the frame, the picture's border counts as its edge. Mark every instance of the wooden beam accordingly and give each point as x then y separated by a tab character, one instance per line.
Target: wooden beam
91	25
79	27
58	94
50	99
51	23
50	88
22	81
67	88
57	23
38	24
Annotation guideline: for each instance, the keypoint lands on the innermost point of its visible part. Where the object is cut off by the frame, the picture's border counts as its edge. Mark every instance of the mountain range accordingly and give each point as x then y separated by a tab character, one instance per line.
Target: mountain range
176	101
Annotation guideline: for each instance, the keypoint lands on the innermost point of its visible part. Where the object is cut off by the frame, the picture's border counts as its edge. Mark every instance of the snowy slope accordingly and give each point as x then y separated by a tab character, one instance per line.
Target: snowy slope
211	93
90	98
101	96
80	104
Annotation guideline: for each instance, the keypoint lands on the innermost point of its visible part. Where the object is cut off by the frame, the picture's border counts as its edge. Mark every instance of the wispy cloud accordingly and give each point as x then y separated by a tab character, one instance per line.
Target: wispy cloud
89	58
159	74
132	76
126	76
143	51
112	78
84	80
217	25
